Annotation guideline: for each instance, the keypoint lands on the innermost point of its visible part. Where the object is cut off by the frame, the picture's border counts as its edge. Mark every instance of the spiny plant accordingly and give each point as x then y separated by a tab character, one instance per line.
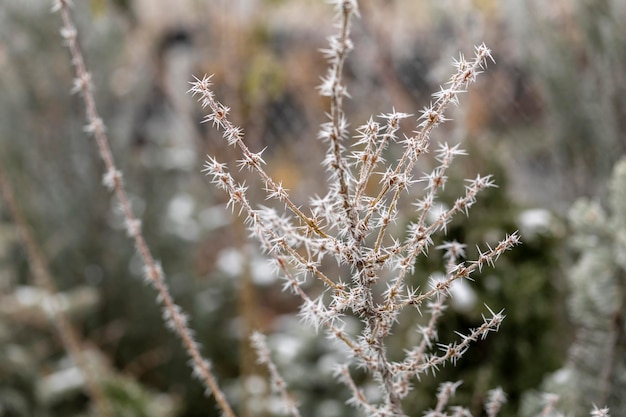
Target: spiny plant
358	229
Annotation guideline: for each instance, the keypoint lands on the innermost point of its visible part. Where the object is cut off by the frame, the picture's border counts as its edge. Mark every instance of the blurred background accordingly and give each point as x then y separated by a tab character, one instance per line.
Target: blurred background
547	120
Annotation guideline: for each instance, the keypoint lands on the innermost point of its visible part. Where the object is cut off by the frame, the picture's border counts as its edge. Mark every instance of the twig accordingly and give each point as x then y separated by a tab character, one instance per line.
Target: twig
175	319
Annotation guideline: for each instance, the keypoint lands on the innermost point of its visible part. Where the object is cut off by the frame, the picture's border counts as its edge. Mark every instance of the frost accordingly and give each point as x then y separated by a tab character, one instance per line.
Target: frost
255	385
214	217
230	261
263	271
181	207
463	295
535	222
59	383
179	212
286	347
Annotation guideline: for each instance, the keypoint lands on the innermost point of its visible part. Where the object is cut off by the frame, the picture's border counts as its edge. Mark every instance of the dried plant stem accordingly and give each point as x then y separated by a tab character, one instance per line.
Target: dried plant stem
374	153
358	398
173	315
233	134
335	130
445	392
278	383
39	266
